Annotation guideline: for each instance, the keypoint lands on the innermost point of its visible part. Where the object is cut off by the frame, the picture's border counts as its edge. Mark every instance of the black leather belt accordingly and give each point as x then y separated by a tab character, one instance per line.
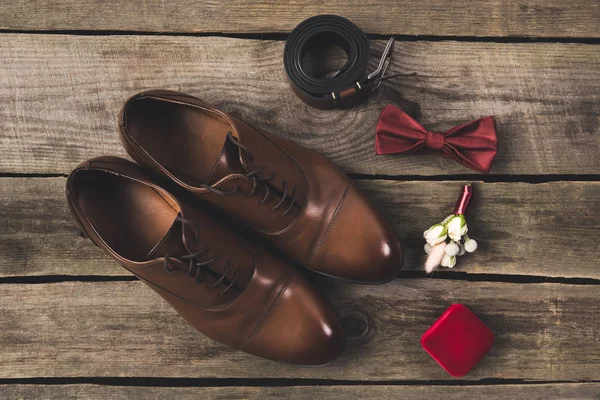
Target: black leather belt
351	82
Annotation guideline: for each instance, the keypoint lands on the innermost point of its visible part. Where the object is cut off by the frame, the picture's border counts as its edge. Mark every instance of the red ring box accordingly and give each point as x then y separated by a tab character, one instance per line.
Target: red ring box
458	340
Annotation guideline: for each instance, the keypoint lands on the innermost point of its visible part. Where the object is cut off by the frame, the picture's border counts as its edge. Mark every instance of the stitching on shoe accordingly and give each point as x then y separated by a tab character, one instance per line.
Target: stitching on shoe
215	166
163	240
183	299
133	144
274	143
308	182
330	226
268	312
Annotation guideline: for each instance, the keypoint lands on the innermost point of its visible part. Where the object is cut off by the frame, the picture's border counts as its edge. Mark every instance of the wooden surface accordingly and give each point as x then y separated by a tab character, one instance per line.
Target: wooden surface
542	331
548	18
371	392
40	236
76	325
61	95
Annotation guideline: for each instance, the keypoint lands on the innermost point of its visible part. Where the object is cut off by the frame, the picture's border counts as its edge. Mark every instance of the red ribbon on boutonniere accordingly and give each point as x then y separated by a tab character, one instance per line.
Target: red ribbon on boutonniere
473	144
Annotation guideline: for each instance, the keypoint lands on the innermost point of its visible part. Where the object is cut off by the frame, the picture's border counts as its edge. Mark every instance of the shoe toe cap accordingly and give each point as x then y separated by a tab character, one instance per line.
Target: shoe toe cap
300	328
359	244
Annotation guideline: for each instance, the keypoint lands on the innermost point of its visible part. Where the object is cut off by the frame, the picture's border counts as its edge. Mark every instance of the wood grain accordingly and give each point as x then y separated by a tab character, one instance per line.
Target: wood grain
39	235
92	329
374	392
550	18
523	229
60	95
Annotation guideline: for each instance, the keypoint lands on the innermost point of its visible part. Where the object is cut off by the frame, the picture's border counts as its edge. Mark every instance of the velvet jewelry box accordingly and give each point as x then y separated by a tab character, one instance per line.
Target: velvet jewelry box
458	340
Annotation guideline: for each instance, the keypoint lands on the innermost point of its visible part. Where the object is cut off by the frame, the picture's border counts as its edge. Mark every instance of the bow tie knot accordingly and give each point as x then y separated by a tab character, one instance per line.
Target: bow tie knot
434	141
474	144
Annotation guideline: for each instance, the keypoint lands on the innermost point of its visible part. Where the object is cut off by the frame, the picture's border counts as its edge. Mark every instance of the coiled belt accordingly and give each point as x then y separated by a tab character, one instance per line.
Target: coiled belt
351	81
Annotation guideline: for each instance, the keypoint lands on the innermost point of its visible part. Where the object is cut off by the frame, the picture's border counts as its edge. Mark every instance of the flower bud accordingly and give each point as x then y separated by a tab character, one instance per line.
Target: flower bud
428	248
452	249
470	245
457	227
448	261
462	250
436	234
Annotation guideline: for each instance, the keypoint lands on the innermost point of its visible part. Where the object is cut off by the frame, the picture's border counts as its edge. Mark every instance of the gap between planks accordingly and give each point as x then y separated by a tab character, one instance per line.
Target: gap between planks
447	275
532	179
526	18
283	36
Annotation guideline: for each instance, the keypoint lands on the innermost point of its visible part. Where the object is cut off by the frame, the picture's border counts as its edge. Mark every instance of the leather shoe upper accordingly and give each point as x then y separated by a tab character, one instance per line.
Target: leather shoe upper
294	197
230	291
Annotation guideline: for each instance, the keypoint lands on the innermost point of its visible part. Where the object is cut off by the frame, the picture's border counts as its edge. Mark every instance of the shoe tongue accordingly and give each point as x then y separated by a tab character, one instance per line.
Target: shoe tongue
228	163
171	243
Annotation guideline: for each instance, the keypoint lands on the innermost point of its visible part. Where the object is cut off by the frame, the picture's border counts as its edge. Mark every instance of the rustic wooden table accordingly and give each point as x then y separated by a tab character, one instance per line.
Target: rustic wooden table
74	324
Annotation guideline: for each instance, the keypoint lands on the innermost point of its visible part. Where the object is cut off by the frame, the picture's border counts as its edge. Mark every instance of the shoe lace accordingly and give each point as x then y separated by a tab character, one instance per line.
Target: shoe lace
196	266
259	180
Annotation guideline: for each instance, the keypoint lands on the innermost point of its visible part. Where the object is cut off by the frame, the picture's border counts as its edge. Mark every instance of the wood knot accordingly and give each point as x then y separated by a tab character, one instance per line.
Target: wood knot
355	325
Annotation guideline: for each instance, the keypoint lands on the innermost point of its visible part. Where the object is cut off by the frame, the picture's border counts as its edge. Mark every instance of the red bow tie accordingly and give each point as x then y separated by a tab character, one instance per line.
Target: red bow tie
474	144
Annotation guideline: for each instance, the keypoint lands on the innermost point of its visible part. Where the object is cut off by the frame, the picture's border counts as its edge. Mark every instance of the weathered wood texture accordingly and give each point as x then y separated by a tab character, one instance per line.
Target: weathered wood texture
551	18
374	392
525	229
542	332
60	95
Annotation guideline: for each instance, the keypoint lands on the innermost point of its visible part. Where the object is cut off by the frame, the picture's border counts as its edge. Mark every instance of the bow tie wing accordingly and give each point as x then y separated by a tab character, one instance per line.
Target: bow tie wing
474	144
397	132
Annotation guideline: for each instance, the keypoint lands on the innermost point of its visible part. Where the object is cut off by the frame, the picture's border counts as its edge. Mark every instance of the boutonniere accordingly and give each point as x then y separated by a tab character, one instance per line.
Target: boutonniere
448	239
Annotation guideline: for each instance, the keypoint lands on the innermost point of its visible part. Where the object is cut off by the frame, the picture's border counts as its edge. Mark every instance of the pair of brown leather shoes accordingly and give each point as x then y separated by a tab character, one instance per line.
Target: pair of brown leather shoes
232	291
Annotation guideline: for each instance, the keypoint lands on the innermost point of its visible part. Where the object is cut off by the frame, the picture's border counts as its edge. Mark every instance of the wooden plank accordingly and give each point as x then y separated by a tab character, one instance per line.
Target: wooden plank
523	229
39	236
375	392
543	332
551	18
60	96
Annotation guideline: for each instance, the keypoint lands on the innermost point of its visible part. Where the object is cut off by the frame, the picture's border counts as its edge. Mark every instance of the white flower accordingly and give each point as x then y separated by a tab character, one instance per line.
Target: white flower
448	261
428	248
452	249
470	245
457	226
436	234
425	233
462	250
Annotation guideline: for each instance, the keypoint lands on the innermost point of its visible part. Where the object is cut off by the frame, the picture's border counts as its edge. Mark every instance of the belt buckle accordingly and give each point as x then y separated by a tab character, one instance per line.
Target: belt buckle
384	62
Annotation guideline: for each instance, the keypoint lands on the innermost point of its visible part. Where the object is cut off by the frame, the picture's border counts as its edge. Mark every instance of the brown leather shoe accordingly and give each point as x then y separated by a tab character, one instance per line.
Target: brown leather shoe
233	293
293	196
